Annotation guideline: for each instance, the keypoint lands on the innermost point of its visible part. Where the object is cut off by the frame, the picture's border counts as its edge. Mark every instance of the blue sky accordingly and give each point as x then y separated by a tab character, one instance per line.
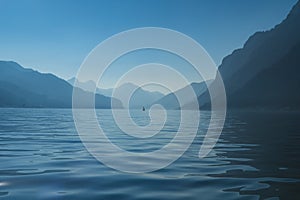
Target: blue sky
55	36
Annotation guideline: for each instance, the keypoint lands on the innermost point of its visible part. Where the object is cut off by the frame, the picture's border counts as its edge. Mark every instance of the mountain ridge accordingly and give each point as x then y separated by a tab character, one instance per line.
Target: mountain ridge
260	53
23	87
170	100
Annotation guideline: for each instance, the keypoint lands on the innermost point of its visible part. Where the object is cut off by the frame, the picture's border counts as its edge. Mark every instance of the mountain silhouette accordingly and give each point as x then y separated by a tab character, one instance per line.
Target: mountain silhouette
170	101
264	73
140	96
90	86
20	87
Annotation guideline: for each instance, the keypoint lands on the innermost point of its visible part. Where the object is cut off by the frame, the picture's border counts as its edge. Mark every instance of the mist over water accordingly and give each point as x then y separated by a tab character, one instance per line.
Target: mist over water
42	157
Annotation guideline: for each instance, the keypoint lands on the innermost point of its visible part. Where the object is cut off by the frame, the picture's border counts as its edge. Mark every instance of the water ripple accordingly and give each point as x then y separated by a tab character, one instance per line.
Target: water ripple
42	157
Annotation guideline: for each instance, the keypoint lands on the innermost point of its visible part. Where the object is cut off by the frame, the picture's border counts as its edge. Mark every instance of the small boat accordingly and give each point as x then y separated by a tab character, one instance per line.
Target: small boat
143	108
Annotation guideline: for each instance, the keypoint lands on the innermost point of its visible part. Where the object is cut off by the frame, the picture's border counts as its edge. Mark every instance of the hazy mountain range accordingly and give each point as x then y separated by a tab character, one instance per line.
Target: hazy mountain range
20	87
139	98
264	74
90	86
170	100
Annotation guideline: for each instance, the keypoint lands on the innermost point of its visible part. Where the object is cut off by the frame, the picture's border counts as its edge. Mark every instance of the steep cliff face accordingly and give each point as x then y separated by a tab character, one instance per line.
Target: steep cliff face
265	72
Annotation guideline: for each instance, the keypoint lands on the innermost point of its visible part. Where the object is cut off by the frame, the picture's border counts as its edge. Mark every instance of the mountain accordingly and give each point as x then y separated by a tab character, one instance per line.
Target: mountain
20	87
106	92
264	73
170	101
139	98
90	85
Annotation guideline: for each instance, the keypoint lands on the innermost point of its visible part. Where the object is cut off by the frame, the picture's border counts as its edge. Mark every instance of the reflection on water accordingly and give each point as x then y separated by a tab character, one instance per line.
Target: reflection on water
256	157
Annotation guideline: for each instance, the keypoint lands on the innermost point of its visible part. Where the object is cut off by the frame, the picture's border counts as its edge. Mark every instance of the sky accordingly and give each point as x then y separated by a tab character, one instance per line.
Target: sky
55	36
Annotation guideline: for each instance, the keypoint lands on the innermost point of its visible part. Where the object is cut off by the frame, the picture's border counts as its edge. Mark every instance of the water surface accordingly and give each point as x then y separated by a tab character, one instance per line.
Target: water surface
256	157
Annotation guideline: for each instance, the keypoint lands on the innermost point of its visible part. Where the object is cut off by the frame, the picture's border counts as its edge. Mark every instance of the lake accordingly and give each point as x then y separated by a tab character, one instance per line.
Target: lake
256	157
